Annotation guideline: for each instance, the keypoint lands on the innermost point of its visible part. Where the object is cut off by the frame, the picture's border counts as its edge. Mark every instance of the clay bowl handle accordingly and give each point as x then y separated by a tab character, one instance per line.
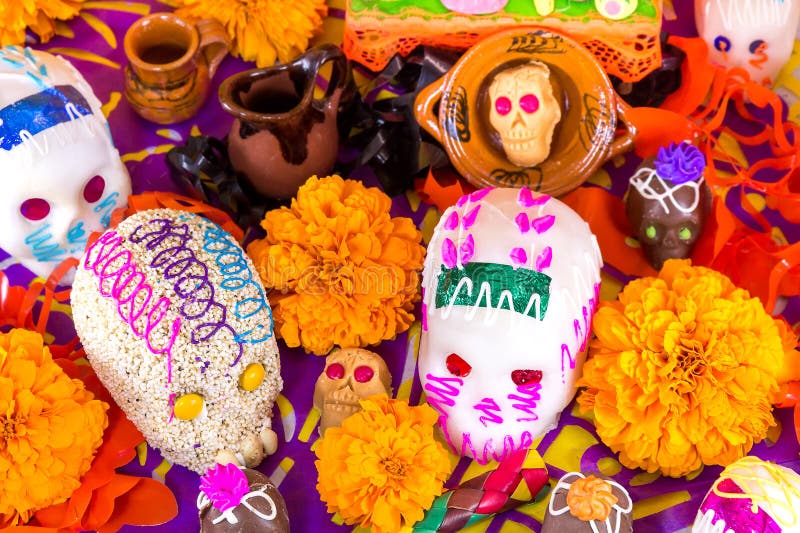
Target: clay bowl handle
426	101
624	142
214	43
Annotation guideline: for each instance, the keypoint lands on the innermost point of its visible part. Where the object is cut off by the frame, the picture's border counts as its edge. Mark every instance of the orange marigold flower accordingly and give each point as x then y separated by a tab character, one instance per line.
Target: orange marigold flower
682	371
382	468
51	427
345	271
38	15
262	30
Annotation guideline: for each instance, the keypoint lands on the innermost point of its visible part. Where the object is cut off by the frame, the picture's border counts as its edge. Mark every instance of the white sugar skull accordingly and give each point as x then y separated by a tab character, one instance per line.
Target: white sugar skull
756	35
510	285
62	176
524	112
350	375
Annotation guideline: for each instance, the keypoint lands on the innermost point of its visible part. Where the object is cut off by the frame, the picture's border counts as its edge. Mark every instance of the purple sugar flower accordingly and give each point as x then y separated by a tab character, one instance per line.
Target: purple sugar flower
680	163
225	486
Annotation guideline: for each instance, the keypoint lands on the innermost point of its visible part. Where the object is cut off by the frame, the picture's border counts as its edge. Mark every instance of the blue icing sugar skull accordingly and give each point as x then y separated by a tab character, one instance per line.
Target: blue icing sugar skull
61	174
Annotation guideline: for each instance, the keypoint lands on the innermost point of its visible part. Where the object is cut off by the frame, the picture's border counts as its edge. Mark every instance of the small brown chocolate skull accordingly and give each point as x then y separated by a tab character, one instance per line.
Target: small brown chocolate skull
350	374
667	218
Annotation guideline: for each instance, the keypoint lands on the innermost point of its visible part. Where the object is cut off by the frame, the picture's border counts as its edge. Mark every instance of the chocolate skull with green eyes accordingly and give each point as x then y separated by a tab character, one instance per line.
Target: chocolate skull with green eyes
668	203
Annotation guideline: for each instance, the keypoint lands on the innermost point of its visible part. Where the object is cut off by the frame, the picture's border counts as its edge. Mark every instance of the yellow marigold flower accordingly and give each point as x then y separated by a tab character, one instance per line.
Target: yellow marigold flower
51	427
382	468
38	15
682	371
262	30
344	271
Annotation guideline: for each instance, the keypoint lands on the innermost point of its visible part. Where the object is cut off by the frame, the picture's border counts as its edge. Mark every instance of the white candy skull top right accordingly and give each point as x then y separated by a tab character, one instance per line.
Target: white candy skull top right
756	35
524	112
511	282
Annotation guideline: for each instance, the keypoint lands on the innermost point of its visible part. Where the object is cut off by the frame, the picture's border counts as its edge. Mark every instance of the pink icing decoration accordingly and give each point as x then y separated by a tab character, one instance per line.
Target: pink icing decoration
424	312
452	221
225	485
479	194
463	200
523	223
503	105
544	259
449	253
469	218
126	278
518	256
526	199
543	224
467	249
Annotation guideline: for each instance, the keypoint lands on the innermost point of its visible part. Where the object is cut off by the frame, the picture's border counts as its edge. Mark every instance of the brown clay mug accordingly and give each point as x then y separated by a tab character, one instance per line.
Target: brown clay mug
170	64
457	109
283	133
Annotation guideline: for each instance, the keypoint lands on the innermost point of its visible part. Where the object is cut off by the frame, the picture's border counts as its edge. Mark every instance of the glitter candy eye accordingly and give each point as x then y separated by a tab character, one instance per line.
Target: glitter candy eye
685	234
188	406
93	190
252	376
457	366
525	377
363	374
335	371
503	105
34	208
529	103
650	232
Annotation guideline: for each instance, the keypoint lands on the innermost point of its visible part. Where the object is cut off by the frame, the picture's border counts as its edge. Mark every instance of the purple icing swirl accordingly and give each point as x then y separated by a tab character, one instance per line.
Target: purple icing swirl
680	163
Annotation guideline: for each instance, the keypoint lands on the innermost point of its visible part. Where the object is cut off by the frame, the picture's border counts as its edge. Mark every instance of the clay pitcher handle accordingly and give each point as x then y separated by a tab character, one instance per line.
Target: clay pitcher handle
623	143
426	101
214	43
311	62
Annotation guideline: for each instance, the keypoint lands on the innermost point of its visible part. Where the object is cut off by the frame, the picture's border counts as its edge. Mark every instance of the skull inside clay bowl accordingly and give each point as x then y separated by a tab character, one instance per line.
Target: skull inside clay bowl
526	107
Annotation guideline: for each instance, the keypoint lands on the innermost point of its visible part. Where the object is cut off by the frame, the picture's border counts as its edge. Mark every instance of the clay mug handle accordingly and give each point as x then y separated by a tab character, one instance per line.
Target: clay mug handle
425	103
311	62
214	43
623	143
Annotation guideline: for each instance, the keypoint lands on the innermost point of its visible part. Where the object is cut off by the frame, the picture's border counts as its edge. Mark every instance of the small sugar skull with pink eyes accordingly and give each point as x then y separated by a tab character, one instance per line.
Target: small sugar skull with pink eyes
524	111
62	176
350	375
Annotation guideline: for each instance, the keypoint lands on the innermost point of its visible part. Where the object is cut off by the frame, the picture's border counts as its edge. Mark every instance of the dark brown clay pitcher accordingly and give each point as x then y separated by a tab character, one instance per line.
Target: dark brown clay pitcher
283	134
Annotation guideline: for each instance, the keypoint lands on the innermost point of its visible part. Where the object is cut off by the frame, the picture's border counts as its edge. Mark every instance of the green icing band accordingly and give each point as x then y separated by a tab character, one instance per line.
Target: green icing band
491	285
521	8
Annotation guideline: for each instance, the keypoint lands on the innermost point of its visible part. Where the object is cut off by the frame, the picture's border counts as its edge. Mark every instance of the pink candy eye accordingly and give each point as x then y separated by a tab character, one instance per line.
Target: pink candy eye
94	189
363	374
529	103
34	208
503	105
335	371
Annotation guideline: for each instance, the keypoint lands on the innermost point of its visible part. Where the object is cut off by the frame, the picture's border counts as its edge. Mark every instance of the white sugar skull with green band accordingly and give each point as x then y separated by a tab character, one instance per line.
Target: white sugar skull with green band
511	283
61	175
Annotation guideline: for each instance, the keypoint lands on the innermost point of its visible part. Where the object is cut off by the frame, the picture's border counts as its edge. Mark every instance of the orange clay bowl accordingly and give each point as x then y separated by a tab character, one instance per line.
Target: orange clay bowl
455	110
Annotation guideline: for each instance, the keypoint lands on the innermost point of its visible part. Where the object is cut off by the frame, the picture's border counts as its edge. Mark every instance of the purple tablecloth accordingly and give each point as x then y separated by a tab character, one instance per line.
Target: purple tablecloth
661	504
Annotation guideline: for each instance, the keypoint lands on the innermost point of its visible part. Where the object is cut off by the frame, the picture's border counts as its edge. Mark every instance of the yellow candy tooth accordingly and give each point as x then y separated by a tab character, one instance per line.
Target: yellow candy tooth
188	406
252	376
